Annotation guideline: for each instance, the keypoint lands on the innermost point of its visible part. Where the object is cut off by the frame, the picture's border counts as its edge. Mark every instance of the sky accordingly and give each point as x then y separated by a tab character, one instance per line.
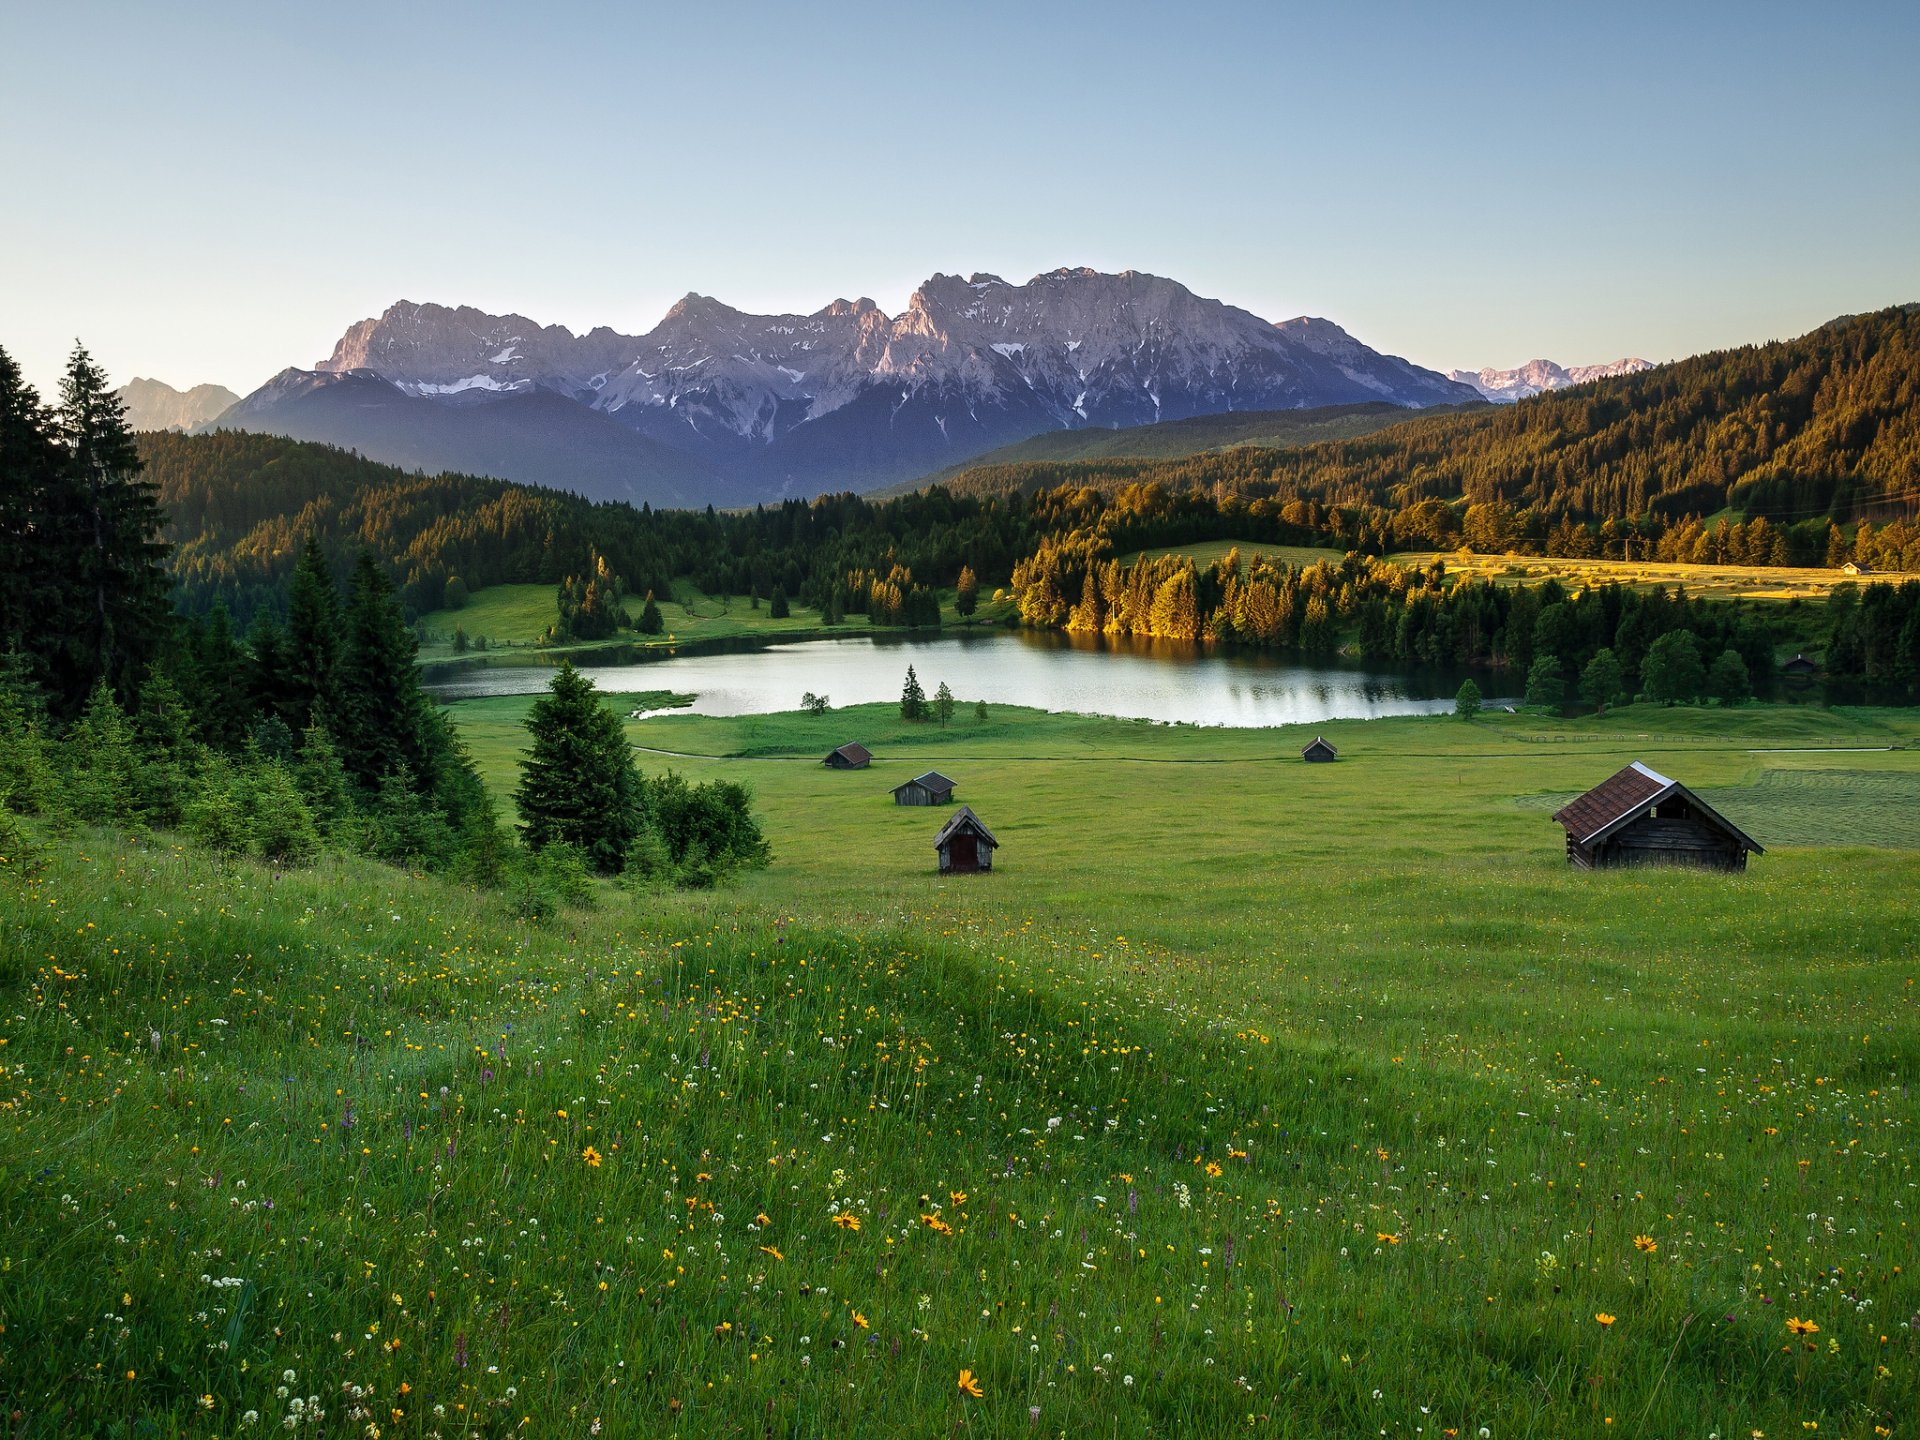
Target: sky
213	192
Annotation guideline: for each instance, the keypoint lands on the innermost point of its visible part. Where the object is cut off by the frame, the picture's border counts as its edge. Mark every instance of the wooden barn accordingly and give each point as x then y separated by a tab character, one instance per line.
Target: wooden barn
851	756
1319	752
1800	668
932	788
965	845
1640	817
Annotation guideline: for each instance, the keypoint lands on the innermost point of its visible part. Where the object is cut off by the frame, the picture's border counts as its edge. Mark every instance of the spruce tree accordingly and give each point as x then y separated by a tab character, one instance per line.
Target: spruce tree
30	468
777	607
966	597
651	621
108	540
913	699
220	698
578	783
312	653
378	712
1466	700
943	704
102	766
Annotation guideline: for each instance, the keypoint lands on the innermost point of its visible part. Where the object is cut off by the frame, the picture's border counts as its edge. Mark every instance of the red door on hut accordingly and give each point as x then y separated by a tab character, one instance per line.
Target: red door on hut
963	852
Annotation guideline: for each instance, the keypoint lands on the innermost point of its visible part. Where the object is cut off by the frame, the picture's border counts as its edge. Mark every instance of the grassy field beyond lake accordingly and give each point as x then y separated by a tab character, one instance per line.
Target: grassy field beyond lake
1243	1095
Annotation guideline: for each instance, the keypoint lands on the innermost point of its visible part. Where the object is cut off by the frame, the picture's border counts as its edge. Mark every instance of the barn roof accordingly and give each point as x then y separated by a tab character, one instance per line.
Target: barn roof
933	780
1320	742
856	752
964	819
1627	795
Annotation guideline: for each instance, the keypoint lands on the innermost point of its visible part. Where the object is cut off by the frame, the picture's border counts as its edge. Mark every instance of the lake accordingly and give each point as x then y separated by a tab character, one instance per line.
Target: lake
1046	670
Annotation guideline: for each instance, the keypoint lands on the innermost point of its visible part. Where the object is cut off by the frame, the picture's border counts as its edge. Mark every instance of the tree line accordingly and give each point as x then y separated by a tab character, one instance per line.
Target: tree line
311	731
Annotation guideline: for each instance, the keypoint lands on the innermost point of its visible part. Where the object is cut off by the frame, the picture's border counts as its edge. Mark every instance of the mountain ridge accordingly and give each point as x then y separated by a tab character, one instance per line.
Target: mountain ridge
156	405
847	397
1537	376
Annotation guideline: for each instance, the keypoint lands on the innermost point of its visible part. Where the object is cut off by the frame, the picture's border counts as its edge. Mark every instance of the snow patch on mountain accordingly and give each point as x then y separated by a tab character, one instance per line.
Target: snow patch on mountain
1538	376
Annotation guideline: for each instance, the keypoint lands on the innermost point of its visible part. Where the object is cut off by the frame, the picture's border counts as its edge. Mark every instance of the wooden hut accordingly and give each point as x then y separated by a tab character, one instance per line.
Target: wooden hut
851	756
932	788
1319	752
1853	567
1640	817
1800	668
965	845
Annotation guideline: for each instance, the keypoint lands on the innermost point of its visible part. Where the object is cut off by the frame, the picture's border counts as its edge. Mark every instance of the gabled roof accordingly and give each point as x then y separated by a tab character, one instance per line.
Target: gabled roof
1626	796
932	780
1322	743
853	750
964	819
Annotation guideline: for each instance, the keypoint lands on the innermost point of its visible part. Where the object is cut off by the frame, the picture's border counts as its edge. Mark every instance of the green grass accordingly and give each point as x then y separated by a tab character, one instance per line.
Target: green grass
515	617
1218	1025
1727	582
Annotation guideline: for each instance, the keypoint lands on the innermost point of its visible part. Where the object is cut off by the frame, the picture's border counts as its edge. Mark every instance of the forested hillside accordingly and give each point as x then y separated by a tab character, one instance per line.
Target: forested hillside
1825	425
239	506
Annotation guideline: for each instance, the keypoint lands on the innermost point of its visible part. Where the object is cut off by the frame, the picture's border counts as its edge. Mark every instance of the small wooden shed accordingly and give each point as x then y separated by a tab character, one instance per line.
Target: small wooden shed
1319	752
1640	817
1800	668
851	756
932	788
965	845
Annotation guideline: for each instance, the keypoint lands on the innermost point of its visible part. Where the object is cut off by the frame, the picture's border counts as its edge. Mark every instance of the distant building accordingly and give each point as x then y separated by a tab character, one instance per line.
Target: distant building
1800	668
1853	567
932	788
1640	817
851	756
1319	752
965	845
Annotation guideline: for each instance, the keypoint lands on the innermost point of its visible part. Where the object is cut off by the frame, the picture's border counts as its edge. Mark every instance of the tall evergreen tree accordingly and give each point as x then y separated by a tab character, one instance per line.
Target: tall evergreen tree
312	653
30	468
221	703
913	698
378	710
578	783
108	539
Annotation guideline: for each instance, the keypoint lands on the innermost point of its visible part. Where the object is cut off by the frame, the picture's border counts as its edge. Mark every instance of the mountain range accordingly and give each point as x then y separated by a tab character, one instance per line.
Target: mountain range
1536	377
156	405
714	404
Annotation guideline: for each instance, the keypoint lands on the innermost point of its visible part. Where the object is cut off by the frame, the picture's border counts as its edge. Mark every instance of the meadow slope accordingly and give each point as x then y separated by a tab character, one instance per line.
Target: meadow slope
1243	1095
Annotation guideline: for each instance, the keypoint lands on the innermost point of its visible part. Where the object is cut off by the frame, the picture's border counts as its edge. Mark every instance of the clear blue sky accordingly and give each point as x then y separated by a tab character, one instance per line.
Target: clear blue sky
214	191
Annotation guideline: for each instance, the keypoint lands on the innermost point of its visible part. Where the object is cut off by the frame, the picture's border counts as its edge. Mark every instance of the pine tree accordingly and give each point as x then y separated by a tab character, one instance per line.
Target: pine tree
943	704
966	597
219	692
913	699
777	607
651	621
108	542
378	709
312	653
578	783
30	468
102	767
322	781
27	782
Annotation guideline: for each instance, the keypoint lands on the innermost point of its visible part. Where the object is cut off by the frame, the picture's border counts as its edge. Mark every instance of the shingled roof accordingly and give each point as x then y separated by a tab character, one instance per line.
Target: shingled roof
964	818
1628	794
854	753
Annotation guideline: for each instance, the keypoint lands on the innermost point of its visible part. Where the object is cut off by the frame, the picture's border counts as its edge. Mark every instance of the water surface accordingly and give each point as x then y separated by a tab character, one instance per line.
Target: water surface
1135	679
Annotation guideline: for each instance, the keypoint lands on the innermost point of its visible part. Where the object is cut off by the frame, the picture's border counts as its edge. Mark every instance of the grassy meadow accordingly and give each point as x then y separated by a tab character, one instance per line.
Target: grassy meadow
1206	553
1725	582
1242	1096
516	617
